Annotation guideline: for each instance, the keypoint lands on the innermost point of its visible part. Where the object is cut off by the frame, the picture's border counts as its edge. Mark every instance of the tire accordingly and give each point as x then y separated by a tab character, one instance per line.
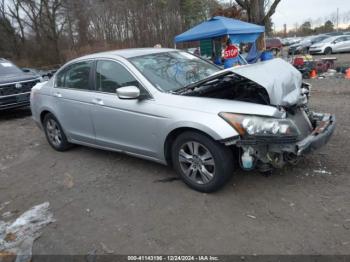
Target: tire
54	133
328	51
206	169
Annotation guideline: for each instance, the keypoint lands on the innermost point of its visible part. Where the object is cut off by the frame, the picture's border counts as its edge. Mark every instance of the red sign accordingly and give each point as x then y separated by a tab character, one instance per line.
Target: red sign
230	52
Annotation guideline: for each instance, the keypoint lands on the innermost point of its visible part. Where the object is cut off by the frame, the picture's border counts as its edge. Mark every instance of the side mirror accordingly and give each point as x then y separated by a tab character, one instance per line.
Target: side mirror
128	92
25	70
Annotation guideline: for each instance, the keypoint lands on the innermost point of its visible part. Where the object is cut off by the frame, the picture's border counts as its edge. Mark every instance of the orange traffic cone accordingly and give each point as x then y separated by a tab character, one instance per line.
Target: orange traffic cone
313	73
347	73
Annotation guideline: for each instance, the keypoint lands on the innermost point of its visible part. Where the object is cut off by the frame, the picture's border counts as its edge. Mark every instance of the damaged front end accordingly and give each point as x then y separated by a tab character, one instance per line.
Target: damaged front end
266	142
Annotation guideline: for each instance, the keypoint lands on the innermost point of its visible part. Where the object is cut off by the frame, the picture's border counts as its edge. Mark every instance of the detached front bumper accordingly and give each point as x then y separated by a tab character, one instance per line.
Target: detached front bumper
319	136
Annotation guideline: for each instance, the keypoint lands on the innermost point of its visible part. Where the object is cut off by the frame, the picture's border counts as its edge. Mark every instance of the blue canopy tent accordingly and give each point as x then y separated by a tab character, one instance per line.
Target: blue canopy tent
219	26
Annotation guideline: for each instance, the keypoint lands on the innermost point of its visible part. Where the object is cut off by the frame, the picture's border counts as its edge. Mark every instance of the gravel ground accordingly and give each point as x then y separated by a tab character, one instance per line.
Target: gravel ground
108	202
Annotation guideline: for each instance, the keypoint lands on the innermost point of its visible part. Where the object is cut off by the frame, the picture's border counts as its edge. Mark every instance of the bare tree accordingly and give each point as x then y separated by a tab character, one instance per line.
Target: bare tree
14	12
51	31
9	44
259	12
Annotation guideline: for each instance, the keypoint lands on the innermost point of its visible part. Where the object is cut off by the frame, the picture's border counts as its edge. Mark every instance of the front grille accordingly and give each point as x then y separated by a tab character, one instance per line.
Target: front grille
14	88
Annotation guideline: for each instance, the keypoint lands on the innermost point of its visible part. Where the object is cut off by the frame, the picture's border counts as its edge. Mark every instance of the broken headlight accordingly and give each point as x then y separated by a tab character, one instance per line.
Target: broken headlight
247	125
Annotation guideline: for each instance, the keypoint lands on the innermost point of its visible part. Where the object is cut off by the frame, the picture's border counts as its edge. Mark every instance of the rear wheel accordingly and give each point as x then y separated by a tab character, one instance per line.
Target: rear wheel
54	133
328	51
203	164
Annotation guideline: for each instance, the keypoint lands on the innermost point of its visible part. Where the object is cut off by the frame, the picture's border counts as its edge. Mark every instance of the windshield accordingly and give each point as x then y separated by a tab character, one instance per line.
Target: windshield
7	68
173	70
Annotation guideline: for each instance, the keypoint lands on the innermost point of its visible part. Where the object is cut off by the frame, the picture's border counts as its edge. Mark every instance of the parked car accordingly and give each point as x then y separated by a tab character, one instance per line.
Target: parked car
15	85
304	45
273	44
174	108
291	41
335	33
335	44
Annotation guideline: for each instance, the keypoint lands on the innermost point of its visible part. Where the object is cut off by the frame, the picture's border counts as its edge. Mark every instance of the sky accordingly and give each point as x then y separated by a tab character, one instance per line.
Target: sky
299	11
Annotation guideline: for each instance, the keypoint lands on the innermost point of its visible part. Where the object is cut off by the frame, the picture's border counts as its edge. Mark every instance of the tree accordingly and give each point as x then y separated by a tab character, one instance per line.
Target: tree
194	11
230	11
8	36
48	32
259	12
305	28
328	26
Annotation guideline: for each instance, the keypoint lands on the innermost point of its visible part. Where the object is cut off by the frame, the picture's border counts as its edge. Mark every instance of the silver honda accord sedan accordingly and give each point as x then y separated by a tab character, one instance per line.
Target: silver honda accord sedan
175	108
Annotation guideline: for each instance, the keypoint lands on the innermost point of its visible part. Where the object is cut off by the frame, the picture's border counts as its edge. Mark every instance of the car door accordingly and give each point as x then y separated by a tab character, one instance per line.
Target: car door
74	100
124	124
338	45
346	44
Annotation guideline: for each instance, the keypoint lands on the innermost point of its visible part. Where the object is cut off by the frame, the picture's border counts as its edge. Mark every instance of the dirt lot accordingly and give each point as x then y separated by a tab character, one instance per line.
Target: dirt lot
105	200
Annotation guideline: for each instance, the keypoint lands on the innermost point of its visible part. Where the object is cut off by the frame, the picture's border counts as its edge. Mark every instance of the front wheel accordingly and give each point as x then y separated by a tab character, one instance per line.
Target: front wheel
328	51
203	164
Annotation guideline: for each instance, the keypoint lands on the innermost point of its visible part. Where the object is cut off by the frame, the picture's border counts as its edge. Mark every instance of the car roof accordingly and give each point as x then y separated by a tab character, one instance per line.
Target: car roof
335	37
126	53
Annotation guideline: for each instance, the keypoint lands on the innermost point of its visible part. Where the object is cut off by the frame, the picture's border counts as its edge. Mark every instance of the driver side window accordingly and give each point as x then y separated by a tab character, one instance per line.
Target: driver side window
112	75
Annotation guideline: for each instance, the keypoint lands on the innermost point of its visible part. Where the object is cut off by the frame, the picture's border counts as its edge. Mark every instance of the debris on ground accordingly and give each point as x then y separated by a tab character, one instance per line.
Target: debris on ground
91	256
251	216
3	205
290	203
331	73
322	172
7	214
106	249
68	180
17	237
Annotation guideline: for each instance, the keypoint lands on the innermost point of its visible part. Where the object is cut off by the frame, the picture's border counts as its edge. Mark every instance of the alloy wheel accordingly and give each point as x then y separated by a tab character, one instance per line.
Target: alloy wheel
196	162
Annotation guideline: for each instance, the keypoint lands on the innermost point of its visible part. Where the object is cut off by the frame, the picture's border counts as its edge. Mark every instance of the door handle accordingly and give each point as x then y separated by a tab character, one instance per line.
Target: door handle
57	94
98	101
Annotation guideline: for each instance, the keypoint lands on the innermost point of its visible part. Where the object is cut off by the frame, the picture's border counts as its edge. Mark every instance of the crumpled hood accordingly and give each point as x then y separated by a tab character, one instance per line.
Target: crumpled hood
280	79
